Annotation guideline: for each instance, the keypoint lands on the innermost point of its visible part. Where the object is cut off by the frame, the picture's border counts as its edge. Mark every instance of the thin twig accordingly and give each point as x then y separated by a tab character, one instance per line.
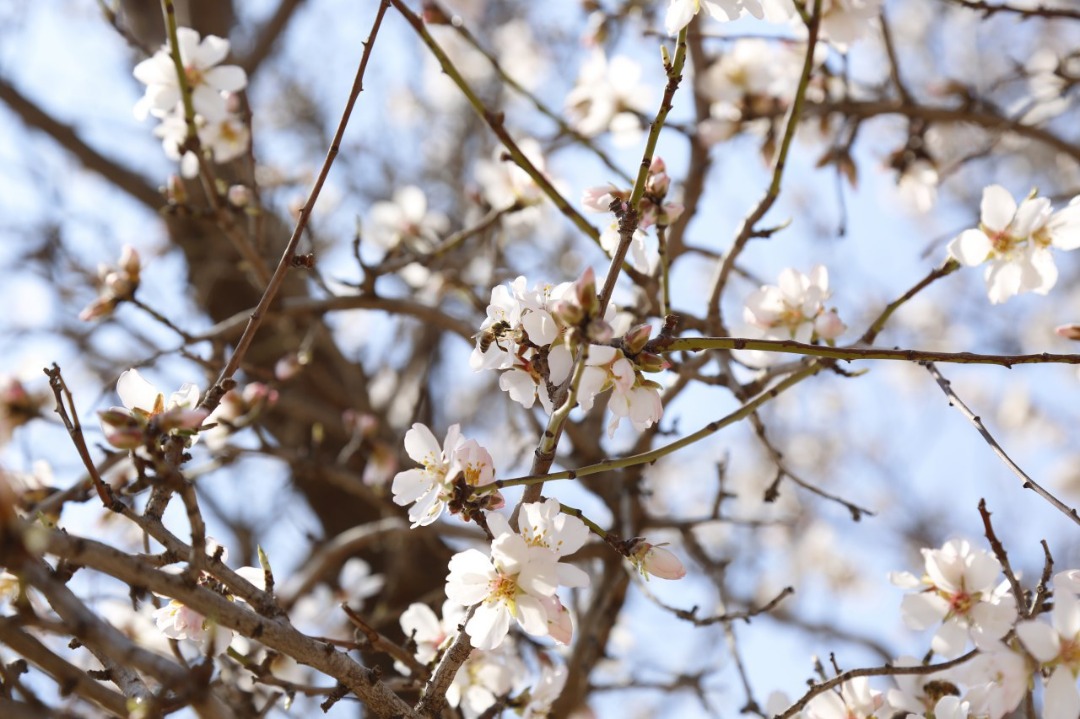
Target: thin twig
1029	483
214	395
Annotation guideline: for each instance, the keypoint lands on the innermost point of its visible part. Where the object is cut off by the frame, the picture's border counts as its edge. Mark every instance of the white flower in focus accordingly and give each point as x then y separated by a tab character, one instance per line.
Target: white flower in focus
544	524
406	218
605	367
1056	647
141	397
855	700
497	331
511	583
208	80
431	485
960	591
1016	241
425	486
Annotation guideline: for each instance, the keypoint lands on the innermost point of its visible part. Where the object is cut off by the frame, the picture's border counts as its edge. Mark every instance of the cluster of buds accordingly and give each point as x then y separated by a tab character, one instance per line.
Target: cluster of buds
118	284
653	209
579	313
146	418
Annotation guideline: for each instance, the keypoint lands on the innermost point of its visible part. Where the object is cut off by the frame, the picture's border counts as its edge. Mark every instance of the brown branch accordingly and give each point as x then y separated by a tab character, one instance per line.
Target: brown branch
1041	11
278	634
68	678
268	35
136	186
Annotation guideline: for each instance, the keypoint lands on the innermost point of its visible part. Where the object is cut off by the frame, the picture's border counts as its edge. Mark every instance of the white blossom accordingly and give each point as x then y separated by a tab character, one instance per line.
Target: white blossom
207	79
1055	647
519	578
1015	241
607	93
406	218
960	590
429	487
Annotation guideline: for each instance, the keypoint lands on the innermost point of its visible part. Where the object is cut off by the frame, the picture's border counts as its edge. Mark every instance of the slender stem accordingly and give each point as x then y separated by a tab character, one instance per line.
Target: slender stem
169	13
874	330
746	229
213	397
698	344
1029	483
651	456
593	526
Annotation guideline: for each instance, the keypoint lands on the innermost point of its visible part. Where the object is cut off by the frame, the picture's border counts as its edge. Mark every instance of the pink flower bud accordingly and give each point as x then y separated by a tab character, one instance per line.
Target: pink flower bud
658	184
130	262
597	199
585	292
288	366
657	166
657	561
101	307
828	326
636	339
178	418
1069	332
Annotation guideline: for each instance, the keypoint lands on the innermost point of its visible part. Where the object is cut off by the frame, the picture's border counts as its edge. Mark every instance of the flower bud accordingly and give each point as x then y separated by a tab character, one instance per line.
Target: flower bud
657	165
568	313
599	331
101	307
597	199
656	561
585	292
183	419
636	339
670	212
658	184
1069	332
649	362
130	263
828	326
175	190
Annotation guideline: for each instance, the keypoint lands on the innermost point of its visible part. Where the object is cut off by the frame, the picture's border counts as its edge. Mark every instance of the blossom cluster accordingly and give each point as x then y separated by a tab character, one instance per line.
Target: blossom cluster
146	409
793	309
221	132
530	335
434	485
653	210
